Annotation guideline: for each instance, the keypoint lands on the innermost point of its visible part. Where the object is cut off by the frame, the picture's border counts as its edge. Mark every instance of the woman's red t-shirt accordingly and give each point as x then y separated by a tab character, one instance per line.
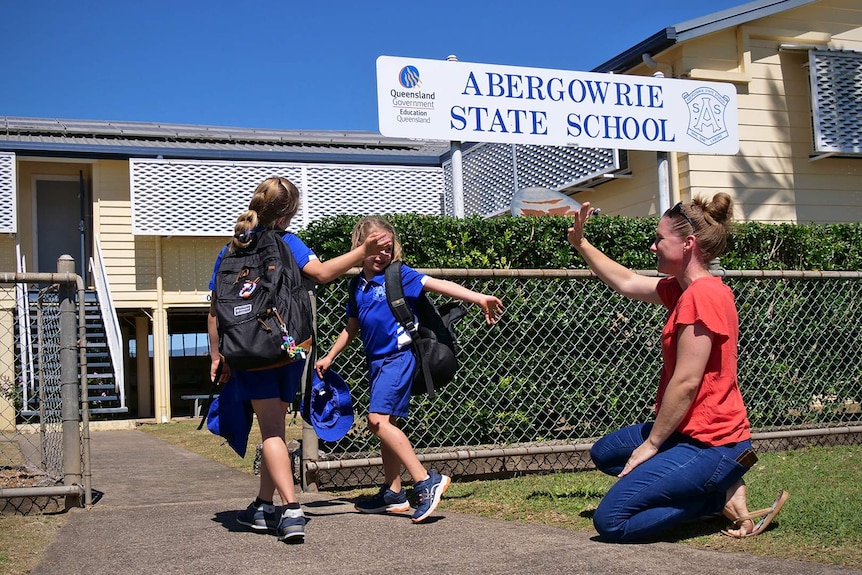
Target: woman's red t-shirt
718	414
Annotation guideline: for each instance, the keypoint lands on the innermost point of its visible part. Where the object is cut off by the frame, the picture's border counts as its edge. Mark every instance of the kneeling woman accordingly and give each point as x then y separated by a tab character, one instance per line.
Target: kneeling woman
689	462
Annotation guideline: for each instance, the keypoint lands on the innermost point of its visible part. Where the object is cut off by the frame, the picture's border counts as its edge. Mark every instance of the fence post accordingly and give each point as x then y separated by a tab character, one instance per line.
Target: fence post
69	395
308	479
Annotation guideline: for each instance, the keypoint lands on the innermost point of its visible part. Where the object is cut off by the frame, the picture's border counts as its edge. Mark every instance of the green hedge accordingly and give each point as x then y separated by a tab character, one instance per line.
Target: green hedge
540	242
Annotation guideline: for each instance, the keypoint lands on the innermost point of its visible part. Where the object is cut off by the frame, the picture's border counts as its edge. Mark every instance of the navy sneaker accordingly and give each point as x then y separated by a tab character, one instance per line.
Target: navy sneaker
428	494
261	518
292	526
386	501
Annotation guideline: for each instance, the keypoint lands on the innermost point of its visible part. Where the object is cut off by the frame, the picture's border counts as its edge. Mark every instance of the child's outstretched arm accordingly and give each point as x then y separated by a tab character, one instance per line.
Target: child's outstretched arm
325	272
341	343
491	305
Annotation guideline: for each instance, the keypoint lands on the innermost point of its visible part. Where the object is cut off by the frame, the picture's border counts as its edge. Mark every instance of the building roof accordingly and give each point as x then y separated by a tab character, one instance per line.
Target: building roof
664	39
109	139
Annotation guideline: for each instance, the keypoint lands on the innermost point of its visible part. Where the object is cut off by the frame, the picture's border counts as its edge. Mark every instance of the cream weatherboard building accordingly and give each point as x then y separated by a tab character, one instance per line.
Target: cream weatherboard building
151	204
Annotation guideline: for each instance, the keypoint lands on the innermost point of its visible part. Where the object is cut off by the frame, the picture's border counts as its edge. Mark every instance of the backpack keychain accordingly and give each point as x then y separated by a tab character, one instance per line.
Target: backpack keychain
287	342
248	287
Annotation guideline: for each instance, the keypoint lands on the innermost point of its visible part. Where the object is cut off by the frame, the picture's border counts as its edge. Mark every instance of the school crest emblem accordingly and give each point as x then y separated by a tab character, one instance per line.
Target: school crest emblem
706	115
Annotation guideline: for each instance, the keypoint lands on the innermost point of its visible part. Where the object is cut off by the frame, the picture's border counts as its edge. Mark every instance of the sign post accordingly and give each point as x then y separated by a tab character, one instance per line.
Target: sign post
457	168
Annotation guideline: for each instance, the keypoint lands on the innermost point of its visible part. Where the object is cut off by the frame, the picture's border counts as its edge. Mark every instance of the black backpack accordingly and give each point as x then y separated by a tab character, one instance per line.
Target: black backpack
434	342
262	305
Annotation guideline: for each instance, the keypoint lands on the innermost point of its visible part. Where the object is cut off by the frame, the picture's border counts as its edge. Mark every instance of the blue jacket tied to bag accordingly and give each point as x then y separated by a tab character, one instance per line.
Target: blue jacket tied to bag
231	417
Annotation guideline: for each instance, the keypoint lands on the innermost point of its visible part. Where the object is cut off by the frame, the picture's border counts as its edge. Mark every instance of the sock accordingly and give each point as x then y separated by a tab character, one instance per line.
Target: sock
267	505
294	505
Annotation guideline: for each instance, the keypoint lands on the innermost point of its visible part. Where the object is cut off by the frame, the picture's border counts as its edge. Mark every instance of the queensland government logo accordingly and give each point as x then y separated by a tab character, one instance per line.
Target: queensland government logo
706	115
414	105
409	77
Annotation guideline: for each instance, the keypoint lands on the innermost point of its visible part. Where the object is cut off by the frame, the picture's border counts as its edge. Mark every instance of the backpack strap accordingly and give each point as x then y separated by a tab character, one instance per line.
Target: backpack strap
404	315
395	296
206	409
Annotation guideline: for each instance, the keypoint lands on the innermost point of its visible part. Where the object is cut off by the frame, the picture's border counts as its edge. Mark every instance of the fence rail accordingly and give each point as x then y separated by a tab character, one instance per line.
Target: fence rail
571	361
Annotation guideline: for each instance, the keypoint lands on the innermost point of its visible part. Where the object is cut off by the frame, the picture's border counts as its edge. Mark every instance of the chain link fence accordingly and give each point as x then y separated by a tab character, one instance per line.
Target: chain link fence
42	441
571	361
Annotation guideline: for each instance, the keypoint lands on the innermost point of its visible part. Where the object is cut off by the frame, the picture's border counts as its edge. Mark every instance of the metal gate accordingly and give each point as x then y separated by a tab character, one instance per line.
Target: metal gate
44	422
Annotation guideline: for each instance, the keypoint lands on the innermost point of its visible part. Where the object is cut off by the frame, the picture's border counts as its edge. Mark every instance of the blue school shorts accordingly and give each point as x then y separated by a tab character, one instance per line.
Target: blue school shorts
391	378
281	382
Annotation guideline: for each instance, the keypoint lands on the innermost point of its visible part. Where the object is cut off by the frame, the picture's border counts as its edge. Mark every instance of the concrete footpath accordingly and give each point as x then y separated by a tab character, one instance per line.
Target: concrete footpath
162	509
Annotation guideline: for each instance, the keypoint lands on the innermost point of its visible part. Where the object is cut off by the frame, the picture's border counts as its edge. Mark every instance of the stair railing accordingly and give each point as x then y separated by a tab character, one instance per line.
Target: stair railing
111	323
26	346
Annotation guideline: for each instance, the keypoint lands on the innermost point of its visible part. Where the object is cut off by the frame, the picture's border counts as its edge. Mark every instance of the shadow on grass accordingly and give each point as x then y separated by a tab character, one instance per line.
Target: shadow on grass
574	494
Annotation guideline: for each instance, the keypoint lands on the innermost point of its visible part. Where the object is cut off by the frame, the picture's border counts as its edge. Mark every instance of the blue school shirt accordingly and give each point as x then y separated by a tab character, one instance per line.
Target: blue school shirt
381	333
301	253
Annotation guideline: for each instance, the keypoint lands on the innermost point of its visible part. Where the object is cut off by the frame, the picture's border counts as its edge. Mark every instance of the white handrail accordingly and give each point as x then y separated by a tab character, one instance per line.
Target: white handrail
110	321
23	307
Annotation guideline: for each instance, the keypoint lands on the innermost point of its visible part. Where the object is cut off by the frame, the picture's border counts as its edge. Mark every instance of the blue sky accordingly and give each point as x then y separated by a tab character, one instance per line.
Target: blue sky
286	65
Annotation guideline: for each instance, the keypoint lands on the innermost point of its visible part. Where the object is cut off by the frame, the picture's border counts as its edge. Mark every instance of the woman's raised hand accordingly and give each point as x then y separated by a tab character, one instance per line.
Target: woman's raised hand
576	232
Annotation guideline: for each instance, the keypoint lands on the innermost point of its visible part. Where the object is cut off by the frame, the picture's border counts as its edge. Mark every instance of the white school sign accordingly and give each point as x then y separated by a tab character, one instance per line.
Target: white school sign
462	101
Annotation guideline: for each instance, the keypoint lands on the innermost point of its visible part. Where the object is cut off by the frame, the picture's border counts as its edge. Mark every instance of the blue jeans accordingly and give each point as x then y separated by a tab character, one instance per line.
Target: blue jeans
685	480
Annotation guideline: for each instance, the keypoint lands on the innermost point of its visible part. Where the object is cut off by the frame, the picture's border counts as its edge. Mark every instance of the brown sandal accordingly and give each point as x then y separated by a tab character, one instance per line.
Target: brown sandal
767	515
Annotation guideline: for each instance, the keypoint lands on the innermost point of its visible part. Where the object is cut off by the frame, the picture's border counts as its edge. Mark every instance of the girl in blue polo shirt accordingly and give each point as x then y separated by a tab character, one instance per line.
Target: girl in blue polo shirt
391	364
271	391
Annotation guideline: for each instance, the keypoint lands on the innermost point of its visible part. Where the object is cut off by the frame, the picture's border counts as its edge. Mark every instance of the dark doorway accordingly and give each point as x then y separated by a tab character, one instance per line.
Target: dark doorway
59	224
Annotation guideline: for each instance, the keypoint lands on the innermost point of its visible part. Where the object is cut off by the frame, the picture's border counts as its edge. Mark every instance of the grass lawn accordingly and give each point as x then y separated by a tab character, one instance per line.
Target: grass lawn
23	540
819	523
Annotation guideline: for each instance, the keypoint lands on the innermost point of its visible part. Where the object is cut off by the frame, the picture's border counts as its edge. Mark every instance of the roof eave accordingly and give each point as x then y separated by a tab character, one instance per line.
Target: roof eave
164	132
101	151
658	42
715	22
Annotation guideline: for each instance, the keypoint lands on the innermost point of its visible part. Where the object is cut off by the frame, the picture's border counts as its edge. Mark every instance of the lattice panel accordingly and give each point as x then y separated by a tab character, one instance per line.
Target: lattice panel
196	198
448	200
557	168
345	189
8	197
494	172
836	88
489	178
203	198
